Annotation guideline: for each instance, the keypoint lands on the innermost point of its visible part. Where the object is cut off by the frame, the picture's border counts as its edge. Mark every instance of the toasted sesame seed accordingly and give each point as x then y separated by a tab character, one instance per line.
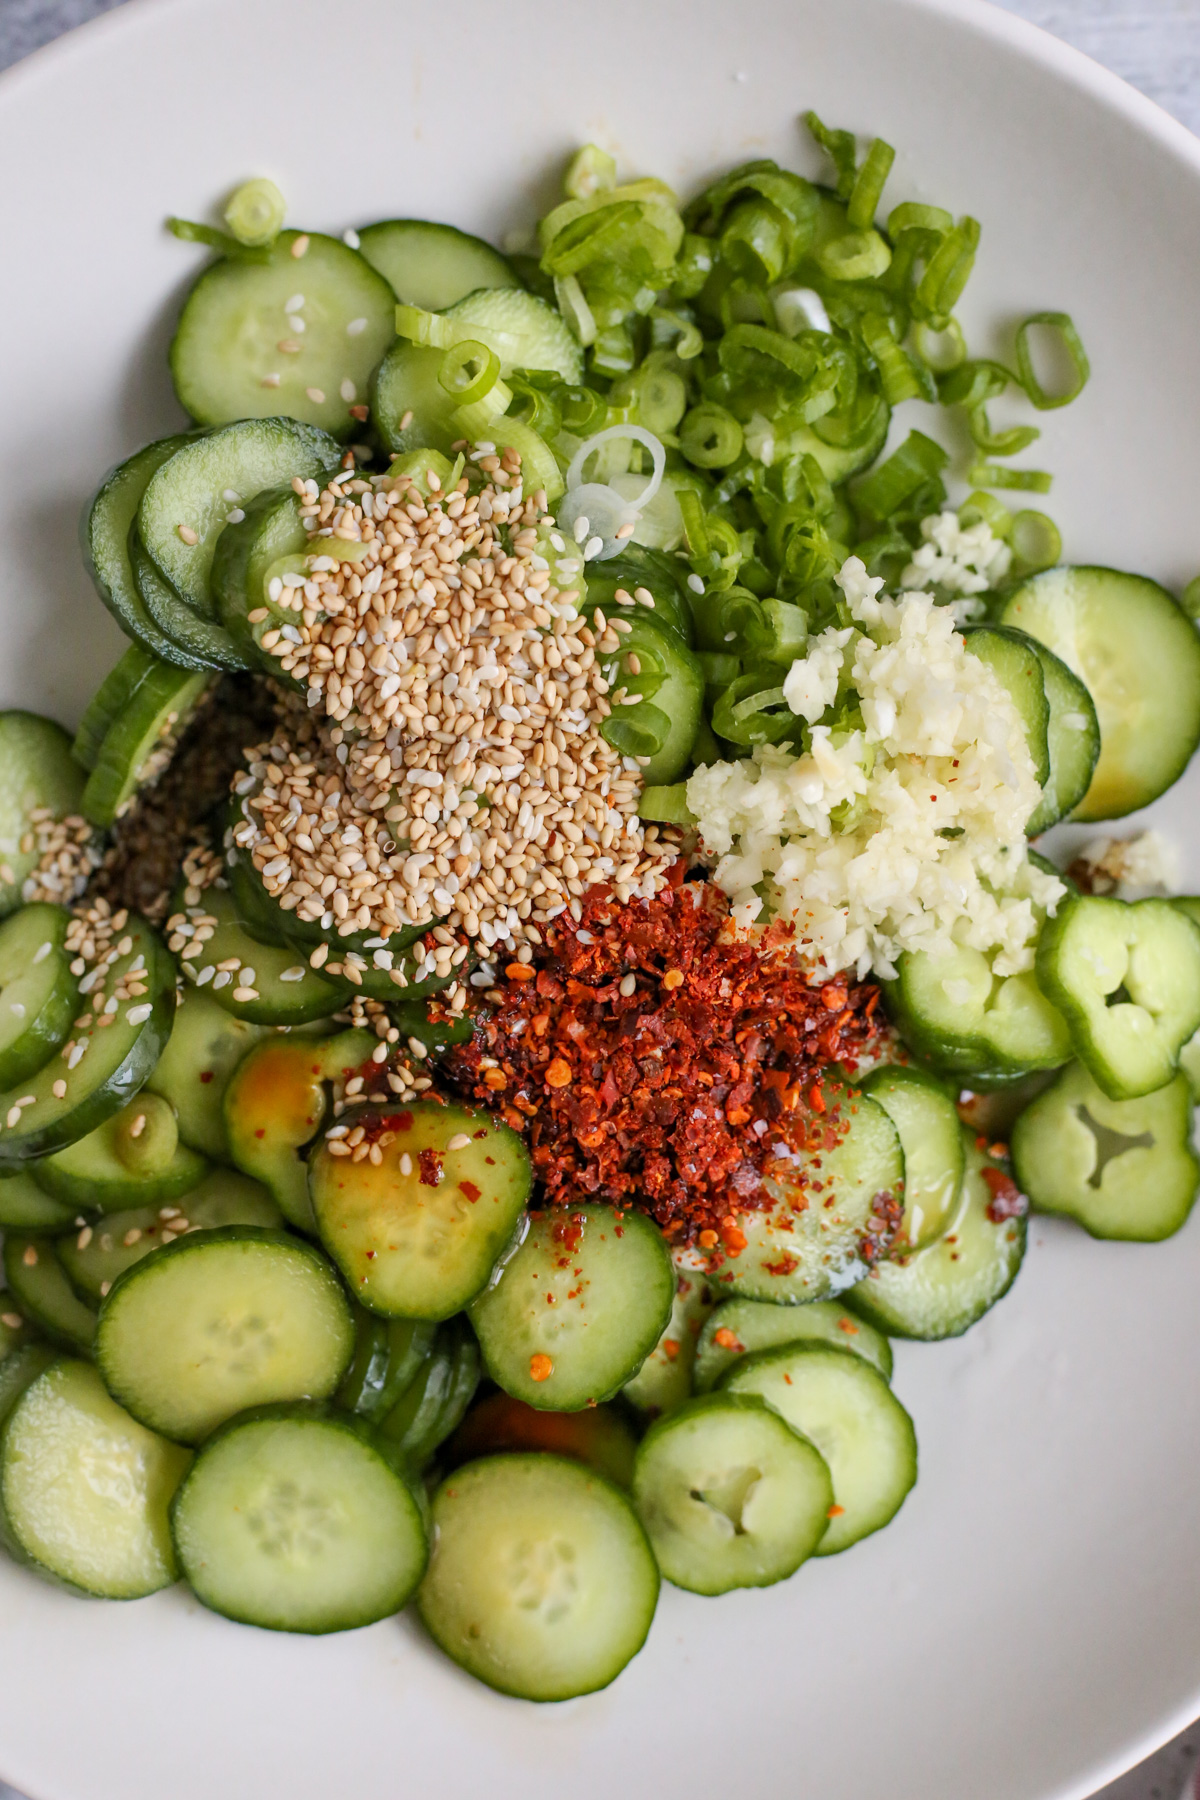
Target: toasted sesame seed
351	237
29	1256
14	1321
187	535
300	245
270	381
316	395
59	1090
356	327
138	1126
460	1141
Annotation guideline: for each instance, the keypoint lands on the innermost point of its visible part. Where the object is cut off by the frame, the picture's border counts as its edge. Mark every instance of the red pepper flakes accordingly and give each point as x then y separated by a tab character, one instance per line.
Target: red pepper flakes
470	1190
430	1165
1007	1201
671	1098
728	1340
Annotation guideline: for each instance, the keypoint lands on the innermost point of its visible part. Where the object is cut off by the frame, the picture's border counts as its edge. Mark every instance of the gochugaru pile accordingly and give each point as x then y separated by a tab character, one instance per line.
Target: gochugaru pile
656	1060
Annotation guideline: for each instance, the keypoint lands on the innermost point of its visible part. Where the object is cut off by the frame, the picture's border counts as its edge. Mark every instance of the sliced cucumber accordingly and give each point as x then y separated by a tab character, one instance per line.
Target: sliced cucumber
205	1046
430	265
600	1436
437	1398
534	334
664	1380
25	1207
577	1308
741	1327
730	1495
846	1408
541	1582
248	553
105	529
39	1282
189	493
100	1253
1126	976
84	1489
38	770
1123	1168
202	642
286	990
134	1158
829	1217
410	408
941	1291
951	1008
109	702
138	746
1015	663
20	1370
38	993
836	462
299	334
388	1356
417	1232
293	1520
114	1052
1073	740
1138	655
926	1118
275	1104
221	1321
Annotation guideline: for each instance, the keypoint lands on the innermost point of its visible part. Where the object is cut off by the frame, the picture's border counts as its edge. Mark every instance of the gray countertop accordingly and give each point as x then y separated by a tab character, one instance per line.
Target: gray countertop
1155	45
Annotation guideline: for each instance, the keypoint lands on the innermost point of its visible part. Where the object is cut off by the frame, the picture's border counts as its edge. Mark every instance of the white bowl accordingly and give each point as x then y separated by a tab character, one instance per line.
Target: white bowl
1030	1625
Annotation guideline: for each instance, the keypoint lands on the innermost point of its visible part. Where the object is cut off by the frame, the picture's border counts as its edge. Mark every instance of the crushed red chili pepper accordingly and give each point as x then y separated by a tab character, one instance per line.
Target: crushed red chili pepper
657	1059
1007	1201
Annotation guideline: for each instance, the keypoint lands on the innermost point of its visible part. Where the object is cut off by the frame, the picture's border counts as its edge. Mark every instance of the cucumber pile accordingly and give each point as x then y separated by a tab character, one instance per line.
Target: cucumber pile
254	1281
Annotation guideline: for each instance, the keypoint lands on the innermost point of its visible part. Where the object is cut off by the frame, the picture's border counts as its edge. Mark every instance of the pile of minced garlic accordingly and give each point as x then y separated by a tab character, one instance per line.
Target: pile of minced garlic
444	758
902	828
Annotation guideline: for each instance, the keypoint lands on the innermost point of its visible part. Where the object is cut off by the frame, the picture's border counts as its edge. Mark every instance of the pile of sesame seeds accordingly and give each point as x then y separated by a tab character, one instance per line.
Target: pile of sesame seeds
449	764
68	855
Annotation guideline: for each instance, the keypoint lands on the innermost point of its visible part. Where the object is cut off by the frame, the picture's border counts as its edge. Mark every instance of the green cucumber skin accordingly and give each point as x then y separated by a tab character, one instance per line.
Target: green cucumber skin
1060	681
39	770
44	1034
25	1206
68	1321
109	567
1033	708
384	246
131	1074
203	642
187	1170
109	700
127	744
37	1358
232	568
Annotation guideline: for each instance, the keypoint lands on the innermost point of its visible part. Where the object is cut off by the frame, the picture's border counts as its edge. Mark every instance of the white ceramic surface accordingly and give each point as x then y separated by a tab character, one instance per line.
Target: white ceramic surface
1030	1625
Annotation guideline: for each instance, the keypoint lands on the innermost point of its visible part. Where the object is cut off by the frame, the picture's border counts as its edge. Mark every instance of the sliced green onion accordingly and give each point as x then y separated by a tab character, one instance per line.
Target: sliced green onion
695	529
718	668
948	269
1064	325
911	215
855	256
710	437
942	350
574	308
745	713
868	185
590	171
255	212
850	430
895	480
998	443
841	148
666	805
660	396
993	512
756	241
468	371
667	325
989	475
639	730
693	266
475	418
901	377
220	241
583	411
1036	542
614	351
1190	598
790	626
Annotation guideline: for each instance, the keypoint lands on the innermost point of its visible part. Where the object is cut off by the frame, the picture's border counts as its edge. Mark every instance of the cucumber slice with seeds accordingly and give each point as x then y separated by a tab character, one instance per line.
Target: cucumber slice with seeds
741	1327
612	1283
830	1214
97	1255
1073	740
541	1581
943	1290
535	334
313	295
105	529
295	1521
275	1104
1015	663
39	771
1138	655
248	553
138	746
220	1321
418	1233
205	1047
134	1158
388	1356
410	408
430	265
730	1495
664	1380
847	1410
926	1118
38	993
107	1060
39	1283
84	1489
188	494
202	642
24	1206
286	990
